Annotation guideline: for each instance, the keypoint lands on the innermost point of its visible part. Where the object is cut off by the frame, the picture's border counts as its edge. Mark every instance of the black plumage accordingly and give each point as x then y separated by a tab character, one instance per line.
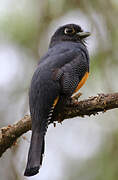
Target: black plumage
58	74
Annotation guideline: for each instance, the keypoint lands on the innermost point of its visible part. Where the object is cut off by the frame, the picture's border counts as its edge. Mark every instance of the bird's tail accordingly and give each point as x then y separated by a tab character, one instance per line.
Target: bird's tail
35	155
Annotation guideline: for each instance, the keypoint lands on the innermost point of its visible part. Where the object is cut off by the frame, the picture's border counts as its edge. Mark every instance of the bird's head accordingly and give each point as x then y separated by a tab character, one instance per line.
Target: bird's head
69	32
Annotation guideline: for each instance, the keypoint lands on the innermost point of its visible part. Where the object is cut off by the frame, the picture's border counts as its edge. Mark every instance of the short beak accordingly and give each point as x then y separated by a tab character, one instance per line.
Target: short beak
83	34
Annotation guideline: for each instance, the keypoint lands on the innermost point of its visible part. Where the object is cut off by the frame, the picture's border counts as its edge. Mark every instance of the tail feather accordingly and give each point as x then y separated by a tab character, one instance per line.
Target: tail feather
35	156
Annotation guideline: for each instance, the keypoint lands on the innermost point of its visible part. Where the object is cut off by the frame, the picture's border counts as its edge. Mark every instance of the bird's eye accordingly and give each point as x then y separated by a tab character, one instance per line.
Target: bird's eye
69	31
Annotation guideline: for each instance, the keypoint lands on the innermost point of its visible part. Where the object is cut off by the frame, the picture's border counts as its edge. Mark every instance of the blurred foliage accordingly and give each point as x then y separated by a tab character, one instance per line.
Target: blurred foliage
25	27
102	165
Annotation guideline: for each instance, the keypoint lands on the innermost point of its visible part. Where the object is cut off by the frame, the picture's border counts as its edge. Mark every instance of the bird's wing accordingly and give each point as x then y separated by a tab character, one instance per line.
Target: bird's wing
72	71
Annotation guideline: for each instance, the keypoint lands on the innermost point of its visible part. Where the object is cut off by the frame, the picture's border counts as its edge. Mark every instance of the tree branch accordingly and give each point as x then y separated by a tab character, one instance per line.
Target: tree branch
93	105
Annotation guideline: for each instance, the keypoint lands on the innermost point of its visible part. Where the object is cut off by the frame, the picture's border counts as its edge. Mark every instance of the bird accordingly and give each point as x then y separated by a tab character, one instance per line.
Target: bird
60	73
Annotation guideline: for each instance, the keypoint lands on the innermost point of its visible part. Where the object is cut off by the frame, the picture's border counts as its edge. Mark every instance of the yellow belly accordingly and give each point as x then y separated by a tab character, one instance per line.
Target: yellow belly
55	101
81	83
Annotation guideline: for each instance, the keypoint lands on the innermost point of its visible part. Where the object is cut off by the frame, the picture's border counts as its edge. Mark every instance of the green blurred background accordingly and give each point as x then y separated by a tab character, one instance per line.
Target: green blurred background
82	148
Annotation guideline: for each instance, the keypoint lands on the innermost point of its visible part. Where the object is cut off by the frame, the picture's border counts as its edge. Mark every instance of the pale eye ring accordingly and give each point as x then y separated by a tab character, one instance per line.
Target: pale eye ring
69	30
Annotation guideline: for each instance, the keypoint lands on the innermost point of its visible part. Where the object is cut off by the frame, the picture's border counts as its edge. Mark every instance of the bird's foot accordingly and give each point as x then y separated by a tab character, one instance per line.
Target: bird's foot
77	96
